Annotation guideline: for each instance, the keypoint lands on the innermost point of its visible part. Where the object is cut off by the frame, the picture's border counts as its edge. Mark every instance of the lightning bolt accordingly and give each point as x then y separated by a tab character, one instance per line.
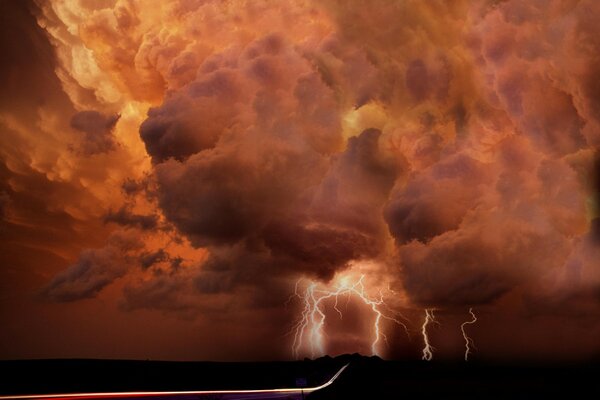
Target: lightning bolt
469	344
428	349
310	325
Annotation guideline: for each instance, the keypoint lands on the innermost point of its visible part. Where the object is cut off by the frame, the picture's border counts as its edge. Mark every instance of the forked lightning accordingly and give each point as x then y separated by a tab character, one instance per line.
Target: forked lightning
309	328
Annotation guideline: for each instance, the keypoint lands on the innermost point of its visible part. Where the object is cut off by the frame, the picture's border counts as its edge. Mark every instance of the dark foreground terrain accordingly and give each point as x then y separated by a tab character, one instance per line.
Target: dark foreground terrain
365	377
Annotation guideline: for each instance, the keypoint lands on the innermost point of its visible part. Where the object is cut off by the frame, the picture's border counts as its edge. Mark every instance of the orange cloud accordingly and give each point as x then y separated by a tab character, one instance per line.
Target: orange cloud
217	151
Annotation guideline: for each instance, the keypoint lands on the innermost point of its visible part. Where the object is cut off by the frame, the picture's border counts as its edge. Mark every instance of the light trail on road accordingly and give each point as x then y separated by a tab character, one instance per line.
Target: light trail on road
223	394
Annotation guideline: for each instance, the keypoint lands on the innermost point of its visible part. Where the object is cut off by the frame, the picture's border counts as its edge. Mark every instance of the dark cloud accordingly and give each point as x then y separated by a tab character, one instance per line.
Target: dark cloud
343	220
161	257
249	158
478	263
97	128
318	239
95	269
488	229
436	199
266	154
131	187
318	250
93	123
125	217
191	121
147	260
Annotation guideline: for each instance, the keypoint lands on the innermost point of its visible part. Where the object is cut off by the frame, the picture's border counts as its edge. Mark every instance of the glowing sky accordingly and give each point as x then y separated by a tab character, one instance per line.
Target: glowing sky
169	171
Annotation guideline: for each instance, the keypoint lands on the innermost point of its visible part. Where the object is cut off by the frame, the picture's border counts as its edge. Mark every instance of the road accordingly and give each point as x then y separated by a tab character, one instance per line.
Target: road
283	393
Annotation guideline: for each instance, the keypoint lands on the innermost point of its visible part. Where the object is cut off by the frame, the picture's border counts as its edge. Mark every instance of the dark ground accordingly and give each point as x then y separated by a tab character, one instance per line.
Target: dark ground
366	378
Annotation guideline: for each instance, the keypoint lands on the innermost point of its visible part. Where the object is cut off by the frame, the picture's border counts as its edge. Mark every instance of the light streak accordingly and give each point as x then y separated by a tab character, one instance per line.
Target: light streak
223	394
428	349
469	344
309	328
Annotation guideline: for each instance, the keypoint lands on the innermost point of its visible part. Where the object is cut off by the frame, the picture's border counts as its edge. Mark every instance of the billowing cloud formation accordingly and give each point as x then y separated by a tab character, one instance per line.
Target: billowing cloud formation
454	145
471	147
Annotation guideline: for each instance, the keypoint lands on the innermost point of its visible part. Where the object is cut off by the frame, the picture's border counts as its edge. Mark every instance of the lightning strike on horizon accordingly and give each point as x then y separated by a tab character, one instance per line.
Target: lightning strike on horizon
469	343
428	349
312	318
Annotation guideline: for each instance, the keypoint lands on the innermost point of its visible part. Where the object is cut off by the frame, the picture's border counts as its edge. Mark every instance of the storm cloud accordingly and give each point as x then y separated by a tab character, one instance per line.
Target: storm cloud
454	145
460	158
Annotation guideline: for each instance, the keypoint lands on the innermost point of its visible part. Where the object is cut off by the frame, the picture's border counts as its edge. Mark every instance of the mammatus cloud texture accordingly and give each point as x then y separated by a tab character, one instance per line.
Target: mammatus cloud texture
193	159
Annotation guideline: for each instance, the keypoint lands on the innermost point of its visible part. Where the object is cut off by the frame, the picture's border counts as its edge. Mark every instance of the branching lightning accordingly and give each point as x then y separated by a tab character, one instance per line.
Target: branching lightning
469	344
309	328
428	349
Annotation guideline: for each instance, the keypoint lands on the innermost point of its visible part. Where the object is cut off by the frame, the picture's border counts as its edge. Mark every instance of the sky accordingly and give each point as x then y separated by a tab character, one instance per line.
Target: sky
261	180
